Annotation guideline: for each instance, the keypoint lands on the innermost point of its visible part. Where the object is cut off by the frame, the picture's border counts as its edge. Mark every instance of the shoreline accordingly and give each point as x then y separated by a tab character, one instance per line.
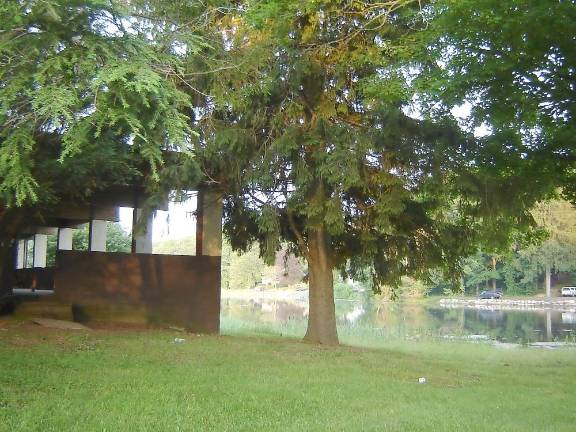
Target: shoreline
561	304
277	294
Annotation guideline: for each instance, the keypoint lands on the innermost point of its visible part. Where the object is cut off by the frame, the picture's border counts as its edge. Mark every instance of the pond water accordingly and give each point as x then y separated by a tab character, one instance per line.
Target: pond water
370	320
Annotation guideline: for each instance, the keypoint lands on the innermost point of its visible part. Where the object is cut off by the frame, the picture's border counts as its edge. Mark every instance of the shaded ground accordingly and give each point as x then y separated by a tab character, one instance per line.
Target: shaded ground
139	379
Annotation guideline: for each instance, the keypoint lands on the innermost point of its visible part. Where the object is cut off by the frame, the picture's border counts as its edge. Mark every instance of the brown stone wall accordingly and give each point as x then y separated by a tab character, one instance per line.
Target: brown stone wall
165	289
8	259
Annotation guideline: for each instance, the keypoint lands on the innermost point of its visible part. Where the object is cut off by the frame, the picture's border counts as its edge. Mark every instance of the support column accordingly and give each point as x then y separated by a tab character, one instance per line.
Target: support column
65	236
97	236
20	254
209	223
40	248
142	239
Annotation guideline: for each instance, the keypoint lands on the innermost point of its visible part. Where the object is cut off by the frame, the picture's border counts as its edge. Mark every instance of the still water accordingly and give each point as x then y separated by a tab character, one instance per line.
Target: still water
406	320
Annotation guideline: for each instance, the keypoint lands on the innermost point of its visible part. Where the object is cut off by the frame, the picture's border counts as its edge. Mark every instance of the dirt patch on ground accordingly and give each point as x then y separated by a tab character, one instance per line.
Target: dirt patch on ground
59	324
11	325
25	334
120	327
4	322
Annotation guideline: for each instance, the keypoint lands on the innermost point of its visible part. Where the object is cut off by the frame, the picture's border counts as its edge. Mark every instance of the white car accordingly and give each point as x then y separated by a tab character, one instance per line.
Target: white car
569	291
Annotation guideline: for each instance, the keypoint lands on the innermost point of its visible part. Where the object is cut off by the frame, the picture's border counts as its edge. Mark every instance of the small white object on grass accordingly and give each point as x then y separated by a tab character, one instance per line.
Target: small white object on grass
179	340
422	380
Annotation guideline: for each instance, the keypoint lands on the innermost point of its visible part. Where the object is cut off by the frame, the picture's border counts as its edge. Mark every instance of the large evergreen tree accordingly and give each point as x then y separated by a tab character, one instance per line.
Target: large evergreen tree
311	135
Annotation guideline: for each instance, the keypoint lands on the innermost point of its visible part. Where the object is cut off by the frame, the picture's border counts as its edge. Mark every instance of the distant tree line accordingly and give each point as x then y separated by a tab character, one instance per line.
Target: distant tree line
239	270
531	264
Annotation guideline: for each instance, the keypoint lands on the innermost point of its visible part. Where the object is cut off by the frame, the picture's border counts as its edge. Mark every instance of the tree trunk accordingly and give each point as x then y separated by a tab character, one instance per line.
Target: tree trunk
494	268
322	313
548	281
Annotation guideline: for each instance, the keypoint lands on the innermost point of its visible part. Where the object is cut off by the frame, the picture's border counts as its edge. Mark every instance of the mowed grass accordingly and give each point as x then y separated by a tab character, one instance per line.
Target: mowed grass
135	380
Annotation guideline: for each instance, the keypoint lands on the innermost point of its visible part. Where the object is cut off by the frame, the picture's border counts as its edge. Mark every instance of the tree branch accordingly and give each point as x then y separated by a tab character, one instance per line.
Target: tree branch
301	242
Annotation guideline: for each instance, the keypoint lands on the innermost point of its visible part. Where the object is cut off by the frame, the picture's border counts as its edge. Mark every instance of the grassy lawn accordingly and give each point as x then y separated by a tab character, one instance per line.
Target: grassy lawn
132	380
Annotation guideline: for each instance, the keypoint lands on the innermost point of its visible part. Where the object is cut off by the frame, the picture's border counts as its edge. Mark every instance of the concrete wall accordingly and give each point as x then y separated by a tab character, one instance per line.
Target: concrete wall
8	259
164	289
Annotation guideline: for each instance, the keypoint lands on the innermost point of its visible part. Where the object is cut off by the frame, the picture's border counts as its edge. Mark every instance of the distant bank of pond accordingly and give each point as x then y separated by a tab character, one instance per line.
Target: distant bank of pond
409	320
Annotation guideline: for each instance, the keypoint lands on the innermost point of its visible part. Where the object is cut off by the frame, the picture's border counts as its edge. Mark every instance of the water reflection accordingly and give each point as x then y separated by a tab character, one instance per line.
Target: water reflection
265	311
412	320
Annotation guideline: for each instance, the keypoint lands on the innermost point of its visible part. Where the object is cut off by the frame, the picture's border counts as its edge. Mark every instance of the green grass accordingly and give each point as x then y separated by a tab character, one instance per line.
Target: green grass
141	380
355	335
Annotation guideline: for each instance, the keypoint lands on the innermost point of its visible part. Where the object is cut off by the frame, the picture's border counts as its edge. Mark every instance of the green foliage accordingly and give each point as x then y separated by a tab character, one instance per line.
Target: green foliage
117	240
513	62
343	289
558	218
52	242
241	271
184	246
519	270
311	137
91	95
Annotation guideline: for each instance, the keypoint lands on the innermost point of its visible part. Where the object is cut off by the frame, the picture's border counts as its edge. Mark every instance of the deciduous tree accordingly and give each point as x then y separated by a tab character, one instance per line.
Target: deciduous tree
513	64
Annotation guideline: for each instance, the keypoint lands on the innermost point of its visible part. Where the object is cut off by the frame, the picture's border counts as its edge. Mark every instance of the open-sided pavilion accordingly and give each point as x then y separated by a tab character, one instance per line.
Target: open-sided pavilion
139	286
